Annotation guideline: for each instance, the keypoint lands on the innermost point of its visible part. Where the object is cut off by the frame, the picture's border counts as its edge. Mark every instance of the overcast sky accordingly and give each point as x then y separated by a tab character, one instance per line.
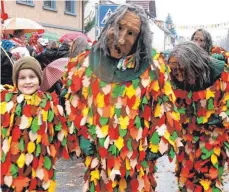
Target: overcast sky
193	12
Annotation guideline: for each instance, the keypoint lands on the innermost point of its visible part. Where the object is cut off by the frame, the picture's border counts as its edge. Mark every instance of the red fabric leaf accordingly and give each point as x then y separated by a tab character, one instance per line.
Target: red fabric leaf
27	111
5	120
102	152
134	185
16	133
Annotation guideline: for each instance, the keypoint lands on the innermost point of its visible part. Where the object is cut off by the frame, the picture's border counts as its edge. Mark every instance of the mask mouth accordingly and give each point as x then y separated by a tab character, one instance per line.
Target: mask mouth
118	49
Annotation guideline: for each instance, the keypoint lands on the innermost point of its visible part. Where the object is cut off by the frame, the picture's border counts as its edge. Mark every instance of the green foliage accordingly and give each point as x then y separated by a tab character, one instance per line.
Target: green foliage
89	25
169	24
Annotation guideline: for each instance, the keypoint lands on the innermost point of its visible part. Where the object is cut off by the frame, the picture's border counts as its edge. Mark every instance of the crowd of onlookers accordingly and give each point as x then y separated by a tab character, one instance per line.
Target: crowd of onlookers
44	50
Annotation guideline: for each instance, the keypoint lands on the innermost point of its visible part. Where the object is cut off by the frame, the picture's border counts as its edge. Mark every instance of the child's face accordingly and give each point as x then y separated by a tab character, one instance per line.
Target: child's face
28	81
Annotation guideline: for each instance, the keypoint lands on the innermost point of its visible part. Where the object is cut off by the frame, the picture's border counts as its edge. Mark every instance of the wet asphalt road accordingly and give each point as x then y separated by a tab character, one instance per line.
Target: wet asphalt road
70	176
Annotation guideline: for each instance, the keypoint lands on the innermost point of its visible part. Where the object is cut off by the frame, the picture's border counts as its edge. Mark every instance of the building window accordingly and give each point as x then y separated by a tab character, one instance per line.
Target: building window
50	5
25	2
70	7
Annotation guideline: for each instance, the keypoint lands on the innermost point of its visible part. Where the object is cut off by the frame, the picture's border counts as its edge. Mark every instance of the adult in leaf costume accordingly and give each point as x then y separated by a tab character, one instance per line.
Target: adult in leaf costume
33	131
119	103
203	38
201	87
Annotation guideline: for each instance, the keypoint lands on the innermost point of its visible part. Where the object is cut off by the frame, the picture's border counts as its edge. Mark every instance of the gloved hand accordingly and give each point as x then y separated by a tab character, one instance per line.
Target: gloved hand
218	57
150	156
86	146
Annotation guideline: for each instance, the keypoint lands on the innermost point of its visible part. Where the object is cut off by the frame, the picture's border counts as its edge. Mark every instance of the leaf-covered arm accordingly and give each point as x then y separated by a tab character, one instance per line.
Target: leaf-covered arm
166	126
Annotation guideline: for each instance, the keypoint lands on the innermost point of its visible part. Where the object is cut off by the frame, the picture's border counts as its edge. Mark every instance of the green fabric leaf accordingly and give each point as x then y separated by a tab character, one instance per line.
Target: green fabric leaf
190	94
181	110
210	104
154	52
216	165
227	103
155	139
38	150
152	75
86	146
113	149
173	136
35	126
118	112
47	163
103	120
137	122
200	120
129	145
50	115
216	190
135	83
127	173
102	84
54	176
18	110
159	101
3	158
64	142
206	154
43	103
88	72
69	82
22	145
92	130
195	138
123	88
165	98
49	96
3	132
58	127
116	91
226	144
92	187
144	100
220	171
144	164
122	132
101	141
13	169
171	153
8	97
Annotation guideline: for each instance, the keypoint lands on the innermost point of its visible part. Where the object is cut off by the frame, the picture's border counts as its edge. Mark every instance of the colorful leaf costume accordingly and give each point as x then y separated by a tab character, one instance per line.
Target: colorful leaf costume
33	136
205	122
124	120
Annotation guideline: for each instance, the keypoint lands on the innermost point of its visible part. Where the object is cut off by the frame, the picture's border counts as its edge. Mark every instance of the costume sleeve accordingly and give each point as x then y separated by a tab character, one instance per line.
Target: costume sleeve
74	86
164	136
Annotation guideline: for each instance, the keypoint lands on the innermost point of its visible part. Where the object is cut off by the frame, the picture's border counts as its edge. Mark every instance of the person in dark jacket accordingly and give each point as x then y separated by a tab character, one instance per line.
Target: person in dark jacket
51	54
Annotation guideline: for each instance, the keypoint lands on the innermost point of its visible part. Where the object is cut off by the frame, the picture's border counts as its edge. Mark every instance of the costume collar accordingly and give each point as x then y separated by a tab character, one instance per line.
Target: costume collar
110	69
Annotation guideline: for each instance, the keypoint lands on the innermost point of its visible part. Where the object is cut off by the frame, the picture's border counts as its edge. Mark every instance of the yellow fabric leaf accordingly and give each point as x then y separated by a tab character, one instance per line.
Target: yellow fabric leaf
90	120
168	88
104	130
217	150
156	56
85	92
38	139
85	112
154	148
130	91
21	160
214	159
88	161
31	147
157	112
3	108
100	100
137	103
124	122
210	94
119	143
33	173
162	68
52	186
114	183
140	146
167	136
45	115
146	123
176	116
112	110
155	85
226	97
122	185
209	113
205	183
95	175
128	164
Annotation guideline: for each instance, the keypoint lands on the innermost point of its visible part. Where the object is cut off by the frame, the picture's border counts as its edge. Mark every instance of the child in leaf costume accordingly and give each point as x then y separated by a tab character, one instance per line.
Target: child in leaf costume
201	87
119	103
33	131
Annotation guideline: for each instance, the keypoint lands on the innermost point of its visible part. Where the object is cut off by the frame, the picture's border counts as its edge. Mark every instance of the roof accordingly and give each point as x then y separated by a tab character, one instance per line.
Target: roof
144	4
